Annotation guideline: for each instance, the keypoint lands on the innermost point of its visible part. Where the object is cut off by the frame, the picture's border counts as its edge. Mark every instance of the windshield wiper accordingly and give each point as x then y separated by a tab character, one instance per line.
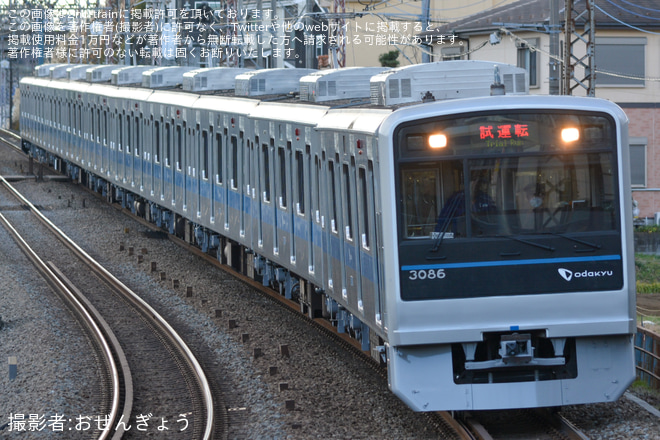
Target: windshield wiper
530	243
453	208
593	246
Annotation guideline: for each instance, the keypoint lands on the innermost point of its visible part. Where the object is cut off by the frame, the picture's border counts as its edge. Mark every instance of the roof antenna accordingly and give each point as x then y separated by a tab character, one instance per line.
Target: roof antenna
497	88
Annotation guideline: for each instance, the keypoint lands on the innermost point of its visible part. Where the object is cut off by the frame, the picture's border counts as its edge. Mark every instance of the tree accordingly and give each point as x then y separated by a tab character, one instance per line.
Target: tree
389	59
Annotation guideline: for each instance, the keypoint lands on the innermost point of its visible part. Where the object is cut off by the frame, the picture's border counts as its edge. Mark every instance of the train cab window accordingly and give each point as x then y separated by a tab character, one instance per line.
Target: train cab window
433	199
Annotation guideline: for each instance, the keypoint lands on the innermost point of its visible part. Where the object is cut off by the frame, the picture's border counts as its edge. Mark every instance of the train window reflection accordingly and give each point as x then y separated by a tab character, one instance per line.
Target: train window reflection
506	196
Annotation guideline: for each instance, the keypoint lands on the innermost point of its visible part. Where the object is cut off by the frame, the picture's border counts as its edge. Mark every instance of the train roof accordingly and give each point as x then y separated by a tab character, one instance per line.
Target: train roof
358	120
295	112
239	106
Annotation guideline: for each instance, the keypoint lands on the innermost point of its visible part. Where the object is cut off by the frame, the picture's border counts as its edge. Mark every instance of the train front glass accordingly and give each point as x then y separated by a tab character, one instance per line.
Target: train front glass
501	203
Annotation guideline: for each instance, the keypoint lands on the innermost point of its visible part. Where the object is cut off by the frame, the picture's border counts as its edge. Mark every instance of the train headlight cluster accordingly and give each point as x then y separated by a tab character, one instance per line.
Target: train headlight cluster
570	134
437	140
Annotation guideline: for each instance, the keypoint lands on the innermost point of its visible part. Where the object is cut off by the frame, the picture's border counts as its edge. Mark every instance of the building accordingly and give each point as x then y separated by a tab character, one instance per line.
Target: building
627	65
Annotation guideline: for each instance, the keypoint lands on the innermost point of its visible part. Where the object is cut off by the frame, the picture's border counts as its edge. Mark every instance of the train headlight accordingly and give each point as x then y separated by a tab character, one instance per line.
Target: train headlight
437	141
571	134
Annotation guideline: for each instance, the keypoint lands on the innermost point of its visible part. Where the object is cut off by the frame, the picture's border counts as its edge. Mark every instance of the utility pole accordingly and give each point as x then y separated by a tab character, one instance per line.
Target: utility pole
574	39
308	20
426	5
554	65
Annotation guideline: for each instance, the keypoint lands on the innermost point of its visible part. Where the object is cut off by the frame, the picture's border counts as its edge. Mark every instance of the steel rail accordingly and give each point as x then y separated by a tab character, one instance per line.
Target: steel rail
143	306
86	315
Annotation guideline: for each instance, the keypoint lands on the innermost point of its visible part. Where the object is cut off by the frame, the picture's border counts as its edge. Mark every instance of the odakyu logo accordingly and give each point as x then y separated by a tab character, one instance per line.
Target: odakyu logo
568	275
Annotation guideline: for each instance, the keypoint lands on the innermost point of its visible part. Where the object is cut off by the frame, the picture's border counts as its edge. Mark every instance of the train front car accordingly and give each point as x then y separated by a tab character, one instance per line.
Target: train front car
507	253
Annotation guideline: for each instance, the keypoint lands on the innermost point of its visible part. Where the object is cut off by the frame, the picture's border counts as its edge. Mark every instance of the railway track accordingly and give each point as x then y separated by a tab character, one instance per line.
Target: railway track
538	424
155	376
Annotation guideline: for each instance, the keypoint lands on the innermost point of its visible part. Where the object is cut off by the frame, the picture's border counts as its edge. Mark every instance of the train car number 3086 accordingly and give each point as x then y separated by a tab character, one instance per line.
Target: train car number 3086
430	274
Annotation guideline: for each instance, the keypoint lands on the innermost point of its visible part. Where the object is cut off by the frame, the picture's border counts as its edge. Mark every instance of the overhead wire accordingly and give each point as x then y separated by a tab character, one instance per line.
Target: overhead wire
631	12
624	23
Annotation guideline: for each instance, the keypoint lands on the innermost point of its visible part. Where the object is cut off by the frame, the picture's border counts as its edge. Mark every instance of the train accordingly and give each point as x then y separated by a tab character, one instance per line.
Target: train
472	237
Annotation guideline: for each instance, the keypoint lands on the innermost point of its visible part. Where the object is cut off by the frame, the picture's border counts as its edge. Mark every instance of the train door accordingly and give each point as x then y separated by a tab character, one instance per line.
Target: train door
366	217
281	204
189	170
147	156
246	202
106	140
335	249
119	160
221	173
167	168
95	153
257	226
265	199
196	172
112	143
302	189
317	213
142	153
177	187
204	198
178	165
351	256
128	151
157	174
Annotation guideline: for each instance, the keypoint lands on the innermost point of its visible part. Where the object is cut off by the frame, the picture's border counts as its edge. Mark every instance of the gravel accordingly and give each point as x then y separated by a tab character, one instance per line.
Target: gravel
333	394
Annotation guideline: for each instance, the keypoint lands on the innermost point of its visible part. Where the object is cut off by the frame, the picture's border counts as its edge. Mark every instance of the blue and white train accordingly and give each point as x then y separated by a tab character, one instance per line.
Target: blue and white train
480	245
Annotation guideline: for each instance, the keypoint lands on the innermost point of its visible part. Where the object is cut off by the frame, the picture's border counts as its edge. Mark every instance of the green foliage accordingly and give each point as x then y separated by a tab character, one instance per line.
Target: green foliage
389	59
648	287
647	272
650	229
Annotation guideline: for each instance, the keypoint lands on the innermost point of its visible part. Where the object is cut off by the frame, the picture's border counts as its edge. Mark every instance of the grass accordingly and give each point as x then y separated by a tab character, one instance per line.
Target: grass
647	270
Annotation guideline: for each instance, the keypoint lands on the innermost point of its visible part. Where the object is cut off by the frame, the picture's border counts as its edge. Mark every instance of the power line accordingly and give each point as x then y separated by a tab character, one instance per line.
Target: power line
631	12
640	7
624	23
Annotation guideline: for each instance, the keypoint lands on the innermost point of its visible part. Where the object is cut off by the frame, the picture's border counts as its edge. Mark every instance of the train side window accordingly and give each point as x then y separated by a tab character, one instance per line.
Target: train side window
281	156
168	143
157	141
234	162
136	147
364	194
300	183
266	173
348	192
333	196
105	127
98	125
129	133
205	155
316	194
179	147
218	147
120	125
